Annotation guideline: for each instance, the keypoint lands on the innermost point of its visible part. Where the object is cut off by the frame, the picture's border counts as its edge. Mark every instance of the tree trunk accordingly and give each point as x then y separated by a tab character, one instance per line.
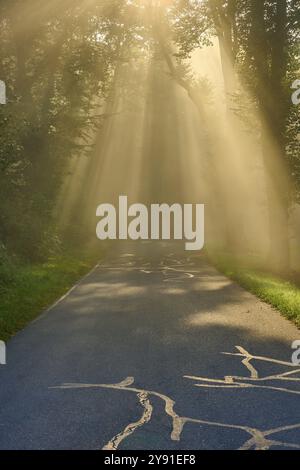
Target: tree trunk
224	21
271	70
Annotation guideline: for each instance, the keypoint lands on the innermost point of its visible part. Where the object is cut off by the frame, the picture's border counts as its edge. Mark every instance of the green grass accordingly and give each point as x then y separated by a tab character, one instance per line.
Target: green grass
280	293
29	289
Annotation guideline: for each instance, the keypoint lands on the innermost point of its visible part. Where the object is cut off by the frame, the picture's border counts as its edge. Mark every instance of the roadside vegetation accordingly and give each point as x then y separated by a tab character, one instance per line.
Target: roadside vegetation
280	292
26	289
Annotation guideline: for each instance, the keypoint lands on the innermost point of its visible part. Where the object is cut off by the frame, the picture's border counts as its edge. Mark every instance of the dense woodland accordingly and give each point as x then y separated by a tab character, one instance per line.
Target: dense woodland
61	64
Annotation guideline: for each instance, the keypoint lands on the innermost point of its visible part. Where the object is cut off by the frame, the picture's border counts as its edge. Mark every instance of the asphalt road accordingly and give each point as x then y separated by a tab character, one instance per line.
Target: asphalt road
132	358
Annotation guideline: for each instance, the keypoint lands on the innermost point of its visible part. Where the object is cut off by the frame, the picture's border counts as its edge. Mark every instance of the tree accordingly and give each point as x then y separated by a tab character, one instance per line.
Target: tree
257	40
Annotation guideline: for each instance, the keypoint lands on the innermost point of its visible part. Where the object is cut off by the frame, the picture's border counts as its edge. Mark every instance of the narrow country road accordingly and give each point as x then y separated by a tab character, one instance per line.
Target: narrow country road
133	358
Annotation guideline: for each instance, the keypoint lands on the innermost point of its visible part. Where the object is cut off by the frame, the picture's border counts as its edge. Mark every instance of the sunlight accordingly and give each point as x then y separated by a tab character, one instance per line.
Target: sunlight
161	124
154	145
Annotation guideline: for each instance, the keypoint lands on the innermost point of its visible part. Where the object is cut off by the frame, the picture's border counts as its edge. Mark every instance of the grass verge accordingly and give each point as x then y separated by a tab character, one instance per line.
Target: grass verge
281	294
29	289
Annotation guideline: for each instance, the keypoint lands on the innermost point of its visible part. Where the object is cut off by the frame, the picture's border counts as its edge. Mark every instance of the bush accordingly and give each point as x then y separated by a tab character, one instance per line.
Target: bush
7	268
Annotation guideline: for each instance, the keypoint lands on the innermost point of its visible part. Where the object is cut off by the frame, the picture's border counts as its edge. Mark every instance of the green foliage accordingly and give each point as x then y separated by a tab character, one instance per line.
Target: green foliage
7	269
262	42
282	294
45	282
58	72
191	24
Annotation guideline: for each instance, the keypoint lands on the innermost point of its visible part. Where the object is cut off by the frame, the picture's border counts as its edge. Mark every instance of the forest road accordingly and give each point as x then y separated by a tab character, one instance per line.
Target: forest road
140	341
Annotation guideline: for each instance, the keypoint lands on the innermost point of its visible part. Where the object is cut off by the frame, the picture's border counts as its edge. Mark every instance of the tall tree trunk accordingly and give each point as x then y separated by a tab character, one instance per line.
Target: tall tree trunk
224	18
224	21
271	70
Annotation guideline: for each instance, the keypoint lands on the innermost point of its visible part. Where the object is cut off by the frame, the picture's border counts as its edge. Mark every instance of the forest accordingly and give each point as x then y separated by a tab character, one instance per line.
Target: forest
193	101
